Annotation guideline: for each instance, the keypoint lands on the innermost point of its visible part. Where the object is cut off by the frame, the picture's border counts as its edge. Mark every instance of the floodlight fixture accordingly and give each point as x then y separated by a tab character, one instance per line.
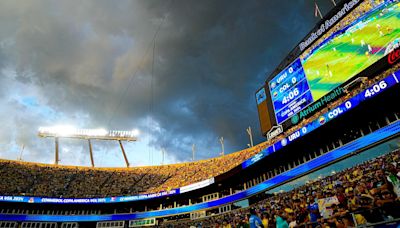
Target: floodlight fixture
68	131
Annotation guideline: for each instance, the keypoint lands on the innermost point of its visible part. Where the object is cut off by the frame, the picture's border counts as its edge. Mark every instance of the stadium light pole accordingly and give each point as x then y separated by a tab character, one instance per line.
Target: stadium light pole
221	140
250	133
163	155
22	151
193	151
56	152
91	152
57	132
124	154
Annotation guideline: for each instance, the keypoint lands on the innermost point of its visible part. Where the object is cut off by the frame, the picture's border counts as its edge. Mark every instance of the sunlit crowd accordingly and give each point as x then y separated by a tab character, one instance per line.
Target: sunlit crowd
31	179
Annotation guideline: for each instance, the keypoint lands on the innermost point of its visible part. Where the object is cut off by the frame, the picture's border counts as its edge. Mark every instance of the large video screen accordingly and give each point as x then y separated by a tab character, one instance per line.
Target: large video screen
335	59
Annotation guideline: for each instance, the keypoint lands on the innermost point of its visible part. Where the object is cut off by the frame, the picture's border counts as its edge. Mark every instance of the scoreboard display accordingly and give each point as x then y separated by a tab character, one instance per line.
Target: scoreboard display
340	53
290	91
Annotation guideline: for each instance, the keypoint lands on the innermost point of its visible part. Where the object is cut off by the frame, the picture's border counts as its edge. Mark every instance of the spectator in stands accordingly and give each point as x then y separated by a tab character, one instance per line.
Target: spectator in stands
313	208
281	219
254	220
225	224
265	219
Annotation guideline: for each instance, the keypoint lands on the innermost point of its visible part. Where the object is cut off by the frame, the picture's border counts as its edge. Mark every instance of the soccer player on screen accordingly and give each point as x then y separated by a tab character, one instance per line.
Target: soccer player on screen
329	72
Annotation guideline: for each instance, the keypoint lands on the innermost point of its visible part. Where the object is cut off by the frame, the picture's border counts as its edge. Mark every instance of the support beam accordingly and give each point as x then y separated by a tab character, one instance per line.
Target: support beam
123	153
56	151
91	153
163	155
193	151
22	151
221	140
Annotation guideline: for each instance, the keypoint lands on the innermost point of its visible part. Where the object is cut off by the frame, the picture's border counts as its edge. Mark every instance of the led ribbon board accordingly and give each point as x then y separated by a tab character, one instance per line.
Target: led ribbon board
358	144
117	199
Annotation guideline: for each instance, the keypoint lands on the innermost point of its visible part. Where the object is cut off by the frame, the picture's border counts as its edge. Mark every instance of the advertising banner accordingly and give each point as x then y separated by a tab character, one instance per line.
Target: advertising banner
117	199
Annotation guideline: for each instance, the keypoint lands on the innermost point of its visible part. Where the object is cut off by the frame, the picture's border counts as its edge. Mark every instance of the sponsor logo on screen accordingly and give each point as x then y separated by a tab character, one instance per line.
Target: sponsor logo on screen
392	45
295	119
394	56
321	120
321	102
327	24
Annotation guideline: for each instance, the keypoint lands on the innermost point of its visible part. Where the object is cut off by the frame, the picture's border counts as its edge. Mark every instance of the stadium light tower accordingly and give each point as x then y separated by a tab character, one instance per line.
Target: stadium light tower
22	151
250	133
163	155
193	151
57	132
221	140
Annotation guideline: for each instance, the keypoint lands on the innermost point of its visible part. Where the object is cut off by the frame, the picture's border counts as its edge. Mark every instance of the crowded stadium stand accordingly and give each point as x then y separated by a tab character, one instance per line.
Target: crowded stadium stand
355	196
35	179
338	166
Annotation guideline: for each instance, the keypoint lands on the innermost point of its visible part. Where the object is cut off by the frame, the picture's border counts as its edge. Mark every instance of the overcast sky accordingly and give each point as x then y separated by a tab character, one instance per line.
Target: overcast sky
90	64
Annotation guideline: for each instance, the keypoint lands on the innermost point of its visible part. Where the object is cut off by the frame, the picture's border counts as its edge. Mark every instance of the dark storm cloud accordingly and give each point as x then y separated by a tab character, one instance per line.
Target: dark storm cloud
91	62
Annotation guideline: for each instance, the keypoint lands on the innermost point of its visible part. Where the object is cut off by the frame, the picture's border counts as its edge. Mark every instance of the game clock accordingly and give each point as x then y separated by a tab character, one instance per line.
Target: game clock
375	89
